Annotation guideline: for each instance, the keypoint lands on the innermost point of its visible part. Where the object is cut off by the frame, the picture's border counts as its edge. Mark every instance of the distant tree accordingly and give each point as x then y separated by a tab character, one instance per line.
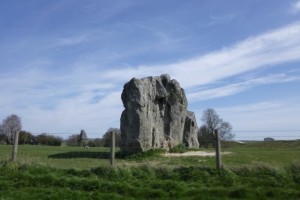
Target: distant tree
225	131
212	121
81	138
10	126
97	142
72	140
107	137
49	140
205	137
26	138
269	139
77	139
2	135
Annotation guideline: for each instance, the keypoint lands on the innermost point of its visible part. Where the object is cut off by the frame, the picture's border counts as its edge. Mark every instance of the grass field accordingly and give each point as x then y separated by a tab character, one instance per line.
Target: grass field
261	170
59	157
278	153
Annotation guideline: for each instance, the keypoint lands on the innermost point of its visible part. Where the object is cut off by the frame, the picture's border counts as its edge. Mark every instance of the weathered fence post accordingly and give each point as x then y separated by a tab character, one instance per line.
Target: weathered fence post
218	150
15	148
112	149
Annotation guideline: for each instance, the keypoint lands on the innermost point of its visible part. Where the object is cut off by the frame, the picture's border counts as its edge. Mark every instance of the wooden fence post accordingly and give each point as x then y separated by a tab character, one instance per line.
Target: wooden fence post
218	151
15	148
112	149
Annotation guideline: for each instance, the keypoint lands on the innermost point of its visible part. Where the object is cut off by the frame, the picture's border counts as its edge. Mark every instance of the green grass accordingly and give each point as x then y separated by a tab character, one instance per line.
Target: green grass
259	170
278	153
58	157
141	156
144	182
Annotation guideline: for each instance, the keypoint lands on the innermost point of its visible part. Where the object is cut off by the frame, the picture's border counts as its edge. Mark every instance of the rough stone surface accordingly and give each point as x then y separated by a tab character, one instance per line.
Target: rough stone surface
156	116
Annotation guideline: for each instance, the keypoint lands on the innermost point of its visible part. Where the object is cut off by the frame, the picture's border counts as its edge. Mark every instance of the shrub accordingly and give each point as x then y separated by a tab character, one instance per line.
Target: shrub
181	148
49	140
152	153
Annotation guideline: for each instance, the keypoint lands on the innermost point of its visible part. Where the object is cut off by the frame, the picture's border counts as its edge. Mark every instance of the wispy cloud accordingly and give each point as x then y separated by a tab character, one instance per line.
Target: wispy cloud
69	41
267	115
272	48
63	103
221	18
296	6
269	49
69	95
253	107
244	85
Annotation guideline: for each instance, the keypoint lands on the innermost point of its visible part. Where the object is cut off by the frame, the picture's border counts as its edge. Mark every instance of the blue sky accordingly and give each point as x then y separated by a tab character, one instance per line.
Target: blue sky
63	63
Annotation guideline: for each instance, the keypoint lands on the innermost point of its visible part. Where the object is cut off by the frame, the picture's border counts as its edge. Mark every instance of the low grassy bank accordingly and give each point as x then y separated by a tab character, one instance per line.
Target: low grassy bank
144	182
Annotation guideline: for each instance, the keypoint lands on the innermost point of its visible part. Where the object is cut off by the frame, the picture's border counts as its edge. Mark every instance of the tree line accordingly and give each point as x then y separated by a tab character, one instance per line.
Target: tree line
81	139
11	124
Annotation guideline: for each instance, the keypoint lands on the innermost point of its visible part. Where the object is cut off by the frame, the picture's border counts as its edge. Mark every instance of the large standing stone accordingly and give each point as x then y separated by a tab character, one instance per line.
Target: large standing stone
156	115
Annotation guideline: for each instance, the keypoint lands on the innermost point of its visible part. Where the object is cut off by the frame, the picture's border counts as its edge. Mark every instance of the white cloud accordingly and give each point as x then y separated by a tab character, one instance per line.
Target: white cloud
275	47
63	101
296	7
254	107
68	41
235	88
76	113
262	119
264	116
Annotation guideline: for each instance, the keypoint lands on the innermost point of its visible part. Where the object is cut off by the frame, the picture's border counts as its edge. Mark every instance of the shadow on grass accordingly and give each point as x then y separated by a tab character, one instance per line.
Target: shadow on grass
76	154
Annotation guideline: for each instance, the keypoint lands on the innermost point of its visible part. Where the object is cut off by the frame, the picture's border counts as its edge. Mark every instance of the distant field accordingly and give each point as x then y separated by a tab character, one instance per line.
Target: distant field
252	171
278	153
58	157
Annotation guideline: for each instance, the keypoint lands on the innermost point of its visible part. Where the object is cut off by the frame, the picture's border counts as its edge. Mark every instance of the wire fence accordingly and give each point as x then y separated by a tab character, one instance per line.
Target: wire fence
249	146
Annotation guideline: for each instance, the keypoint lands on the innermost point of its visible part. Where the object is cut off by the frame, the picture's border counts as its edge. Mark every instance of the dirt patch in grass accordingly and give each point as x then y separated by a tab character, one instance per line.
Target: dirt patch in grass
193	153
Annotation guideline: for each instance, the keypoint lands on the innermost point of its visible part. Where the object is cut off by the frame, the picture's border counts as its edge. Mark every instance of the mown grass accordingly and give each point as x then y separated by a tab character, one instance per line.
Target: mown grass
144	182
